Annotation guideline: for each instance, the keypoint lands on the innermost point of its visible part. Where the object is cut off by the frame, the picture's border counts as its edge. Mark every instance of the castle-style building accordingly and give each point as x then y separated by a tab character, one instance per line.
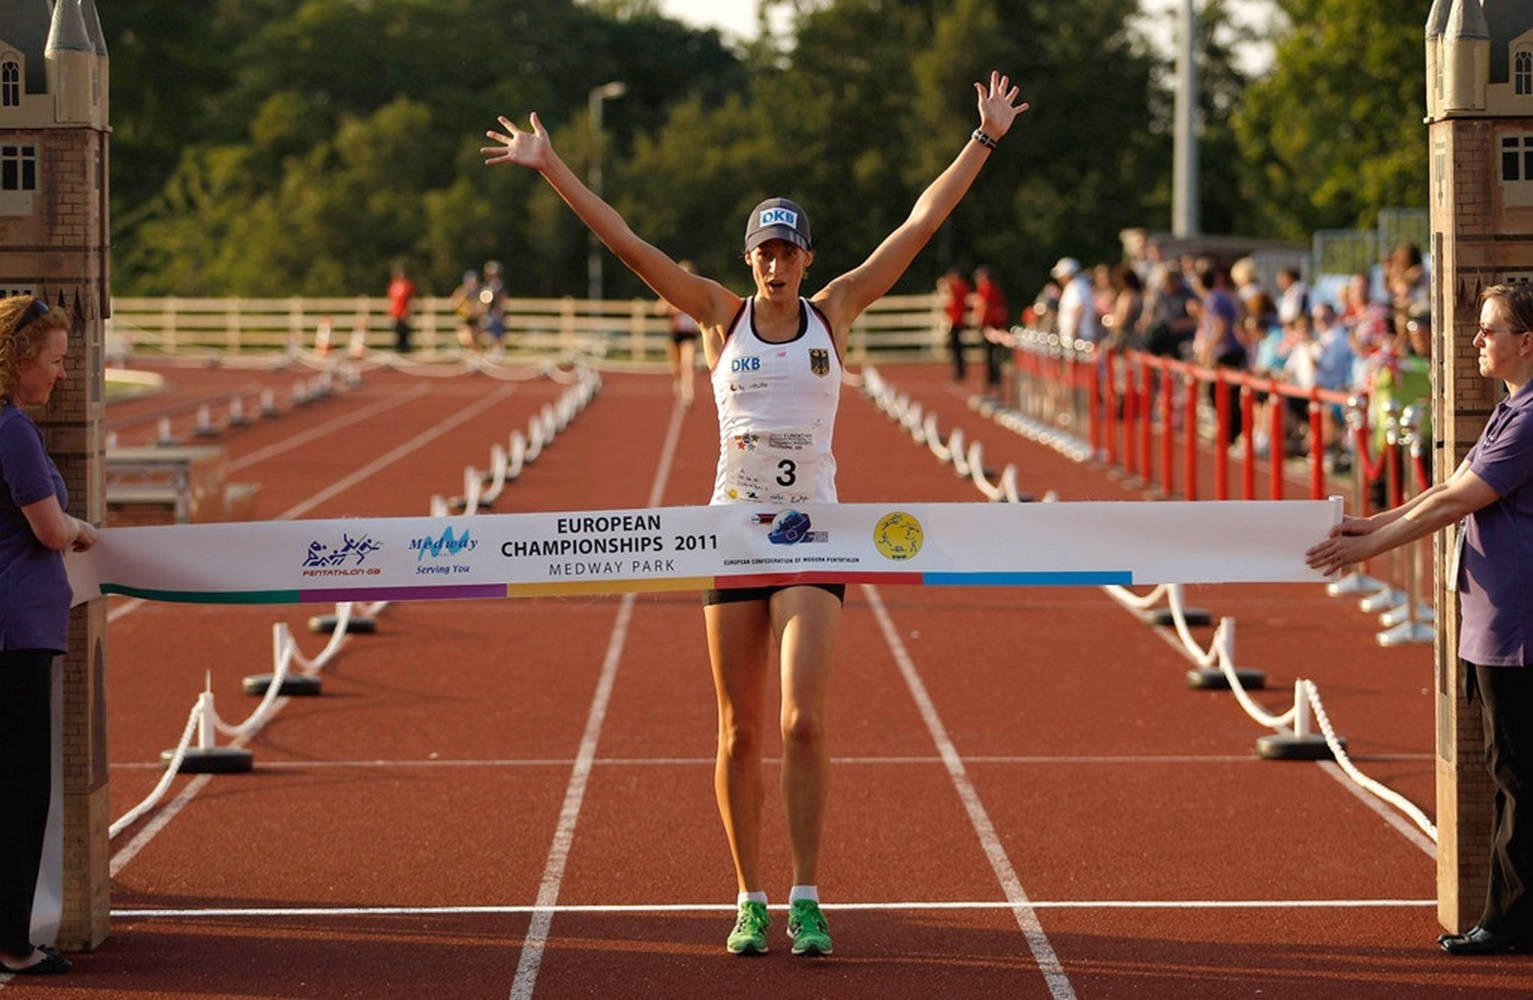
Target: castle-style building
1479	101
54	244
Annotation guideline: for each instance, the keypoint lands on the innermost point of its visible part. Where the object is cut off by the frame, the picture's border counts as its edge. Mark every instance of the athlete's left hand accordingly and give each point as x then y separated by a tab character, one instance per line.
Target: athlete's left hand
998	106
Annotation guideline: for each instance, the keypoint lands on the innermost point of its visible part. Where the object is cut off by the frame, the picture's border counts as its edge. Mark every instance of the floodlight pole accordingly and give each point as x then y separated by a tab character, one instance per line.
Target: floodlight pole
1184	163
593	177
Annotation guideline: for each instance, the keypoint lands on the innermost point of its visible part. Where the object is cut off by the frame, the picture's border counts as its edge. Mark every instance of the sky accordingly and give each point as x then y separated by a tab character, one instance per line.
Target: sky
738	18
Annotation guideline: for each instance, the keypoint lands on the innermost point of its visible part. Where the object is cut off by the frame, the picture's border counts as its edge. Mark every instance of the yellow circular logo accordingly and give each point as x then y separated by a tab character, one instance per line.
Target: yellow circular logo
898	536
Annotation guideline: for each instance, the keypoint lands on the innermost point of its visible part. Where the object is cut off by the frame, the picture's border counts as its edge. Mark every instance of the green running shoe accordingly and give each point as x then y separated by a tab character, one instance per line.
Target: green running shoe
806	926
750	934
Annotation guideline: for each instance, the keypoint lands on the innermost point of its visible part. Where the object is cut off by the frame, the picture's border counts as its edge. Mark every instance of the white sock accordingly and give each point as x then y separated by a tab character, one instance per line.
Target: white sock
799	892
751	897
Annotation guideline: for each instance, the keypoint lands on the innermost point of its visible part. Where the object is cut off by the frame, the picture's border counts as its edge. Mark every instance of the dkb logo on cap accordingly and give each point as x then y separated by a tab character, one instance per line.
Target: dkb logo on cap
777	219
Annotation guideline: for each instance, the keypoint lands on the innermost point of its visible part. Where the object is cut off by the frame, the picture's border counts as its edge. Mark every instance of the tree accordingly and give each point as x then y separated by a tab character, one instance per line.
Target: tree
1333	133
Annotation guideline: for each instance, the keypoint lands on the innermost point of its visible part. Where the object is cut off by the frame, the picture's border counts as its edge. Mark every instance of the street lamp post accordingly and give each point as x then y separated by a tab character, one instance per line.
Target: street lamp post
1185	188
593	177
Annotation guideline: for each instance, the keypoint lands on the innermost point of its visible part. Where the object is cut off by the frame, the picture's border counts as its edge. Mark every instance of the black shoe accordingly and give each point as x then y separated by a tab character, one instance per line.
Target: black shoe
52	964
1479	941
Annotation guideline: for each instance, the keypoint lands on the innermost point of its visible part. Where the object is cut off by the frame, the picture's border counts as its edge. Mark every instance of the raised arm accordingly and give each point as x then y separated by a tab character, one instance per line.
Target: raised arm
709	302
847	296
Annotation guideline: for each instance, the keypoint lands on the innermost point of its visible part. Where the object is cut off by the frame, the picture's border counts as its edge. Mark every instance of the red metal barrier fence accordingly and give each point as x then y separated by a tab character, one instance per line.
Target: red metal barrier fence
1171	426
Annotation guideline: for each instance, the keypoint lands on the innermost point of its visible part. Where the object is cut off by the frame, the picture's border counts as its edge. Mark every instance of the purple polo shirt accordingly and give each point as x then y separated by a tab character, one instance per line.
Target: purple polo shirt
1496	629
34	590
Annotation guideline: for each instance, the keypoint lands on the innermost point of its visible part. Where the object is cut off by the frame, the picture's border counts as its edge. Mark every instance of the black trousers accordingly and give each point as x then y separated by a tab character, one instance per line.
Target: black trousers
26	766
955	349
1506	702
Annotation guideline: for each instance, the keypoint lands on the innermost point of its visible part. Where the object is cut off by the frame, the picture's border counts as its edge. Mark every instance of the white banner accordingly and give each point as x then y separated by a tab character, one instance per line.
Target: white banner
696	548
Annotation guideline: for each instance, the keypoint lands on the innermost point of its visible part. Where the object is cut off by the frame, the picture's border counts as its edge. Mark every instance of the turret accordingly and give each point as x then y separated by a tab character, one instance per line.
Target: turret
1466	58
98	42
1437	26
74	77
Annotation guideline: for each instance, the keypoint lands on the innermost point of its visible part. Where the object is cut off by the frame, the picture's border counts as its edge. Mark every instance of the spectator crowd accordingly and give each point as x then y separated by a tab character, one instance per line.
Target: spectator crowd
1372	337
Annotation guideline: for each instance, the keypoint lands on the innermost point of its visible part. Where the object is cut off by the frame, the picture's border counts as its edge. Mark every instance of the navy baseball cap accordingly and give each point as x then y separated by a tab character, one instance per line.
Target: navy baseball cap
777	219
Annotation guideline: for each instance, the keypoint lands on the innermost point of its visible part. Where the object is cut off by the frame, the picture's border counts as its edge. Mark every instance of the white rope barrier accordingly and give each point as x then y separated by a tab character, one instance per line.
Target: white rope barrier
1384	792
204	721
923	428
1134	601
132	816
1223	652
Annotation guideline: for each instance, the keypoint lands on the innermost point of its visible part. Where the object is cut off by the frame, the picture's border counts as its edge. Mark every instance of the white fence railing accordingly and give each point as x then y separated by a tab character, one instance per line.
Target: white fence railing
629	328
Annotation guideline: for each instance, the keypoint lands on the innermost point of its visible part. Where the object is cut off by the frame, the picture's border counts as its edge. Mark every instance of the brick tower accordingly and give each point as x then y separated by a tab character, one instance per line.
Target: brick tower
1479	60
54	244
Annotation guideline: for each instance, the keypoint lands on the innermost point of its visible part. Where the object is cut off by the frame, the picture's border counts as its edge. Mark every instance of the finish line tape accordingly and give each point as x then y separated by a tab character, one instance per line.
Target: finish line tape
696	548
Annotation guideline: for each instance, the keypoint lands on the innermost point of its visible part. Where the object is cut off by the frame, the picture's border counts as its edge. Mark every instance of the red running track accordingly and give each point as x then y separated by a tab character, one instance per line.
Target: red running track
1027	800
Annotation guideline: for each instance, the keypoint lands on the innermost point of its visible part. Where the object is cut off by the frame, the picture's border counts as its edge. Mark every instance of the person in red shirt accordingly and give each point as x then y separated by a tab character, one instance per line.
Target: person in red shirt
992	315
401	305
955	291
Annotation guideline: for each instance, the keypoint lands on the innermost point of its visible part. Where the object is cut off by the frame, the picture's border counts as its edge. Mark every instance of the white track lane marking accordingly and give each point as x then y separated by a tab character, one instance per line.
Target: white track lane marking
389	458
536	941
148	765
164	816
1019	904
917	906
329	427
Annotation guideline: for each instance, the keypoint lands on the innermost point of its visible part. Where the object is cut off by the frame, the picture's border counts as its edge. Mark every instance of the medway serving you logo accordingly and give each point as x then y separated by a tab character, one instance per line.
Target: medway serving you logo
446	545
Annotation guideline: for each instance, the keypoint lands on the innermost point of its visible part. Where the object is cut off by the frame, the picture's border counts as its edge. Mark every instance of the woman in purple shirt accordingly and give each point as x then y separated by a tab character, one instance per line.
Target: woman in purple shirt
1491	492
34	611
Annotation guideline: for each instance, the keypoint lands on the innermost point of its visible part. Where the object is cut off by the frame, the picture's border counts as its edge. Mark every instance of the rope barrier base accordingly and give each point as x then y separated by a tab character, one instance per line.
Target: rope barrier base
301	685
357	623
1288	746
1406	634
1389	597
1166	617
211	760
1213	679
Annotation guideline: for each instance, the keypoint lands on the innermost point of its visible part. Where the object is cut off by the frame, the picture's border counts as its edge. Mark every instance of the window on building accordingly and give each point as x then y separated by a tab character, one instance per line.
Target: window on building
10	84
18	168
1522	72
1517	158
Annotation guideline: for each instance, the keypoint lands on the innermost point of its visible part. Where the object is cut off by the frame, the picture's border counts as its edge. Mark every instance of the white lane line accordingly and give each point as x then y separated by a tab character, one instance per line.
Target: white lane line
164	816
395	454
1410	831
536	941
916	906
1021	907
329	427
161	819
301	765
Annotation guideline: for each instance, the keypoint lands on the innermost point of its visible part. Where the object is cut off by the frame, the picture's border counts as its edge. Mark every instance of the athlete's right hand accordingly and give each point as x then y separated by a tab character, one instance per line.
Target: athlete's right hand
529	149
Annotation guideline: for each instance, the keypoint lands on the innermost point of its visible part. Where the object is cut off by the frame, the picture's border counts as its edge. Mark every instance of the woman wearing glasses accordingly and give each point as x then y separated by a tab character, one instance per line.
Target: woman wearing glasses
34	610
1491	492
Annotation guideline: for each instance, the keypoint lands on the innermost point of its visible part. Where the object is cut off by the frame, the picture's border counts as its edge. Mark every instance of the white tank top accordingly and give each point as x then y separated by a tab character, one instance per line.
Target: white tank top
777	413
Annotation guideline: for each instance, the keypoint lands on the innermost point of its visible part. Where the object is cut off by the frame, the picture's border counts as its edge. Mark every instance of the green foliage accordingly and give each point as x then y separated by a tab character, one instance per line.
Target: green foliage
275	147
1334	133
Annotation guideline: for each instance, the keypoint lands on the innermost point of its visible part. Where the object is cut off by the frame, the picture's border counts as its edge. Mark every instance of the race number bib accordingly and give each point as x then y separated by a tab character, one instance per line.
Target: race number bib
776	467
